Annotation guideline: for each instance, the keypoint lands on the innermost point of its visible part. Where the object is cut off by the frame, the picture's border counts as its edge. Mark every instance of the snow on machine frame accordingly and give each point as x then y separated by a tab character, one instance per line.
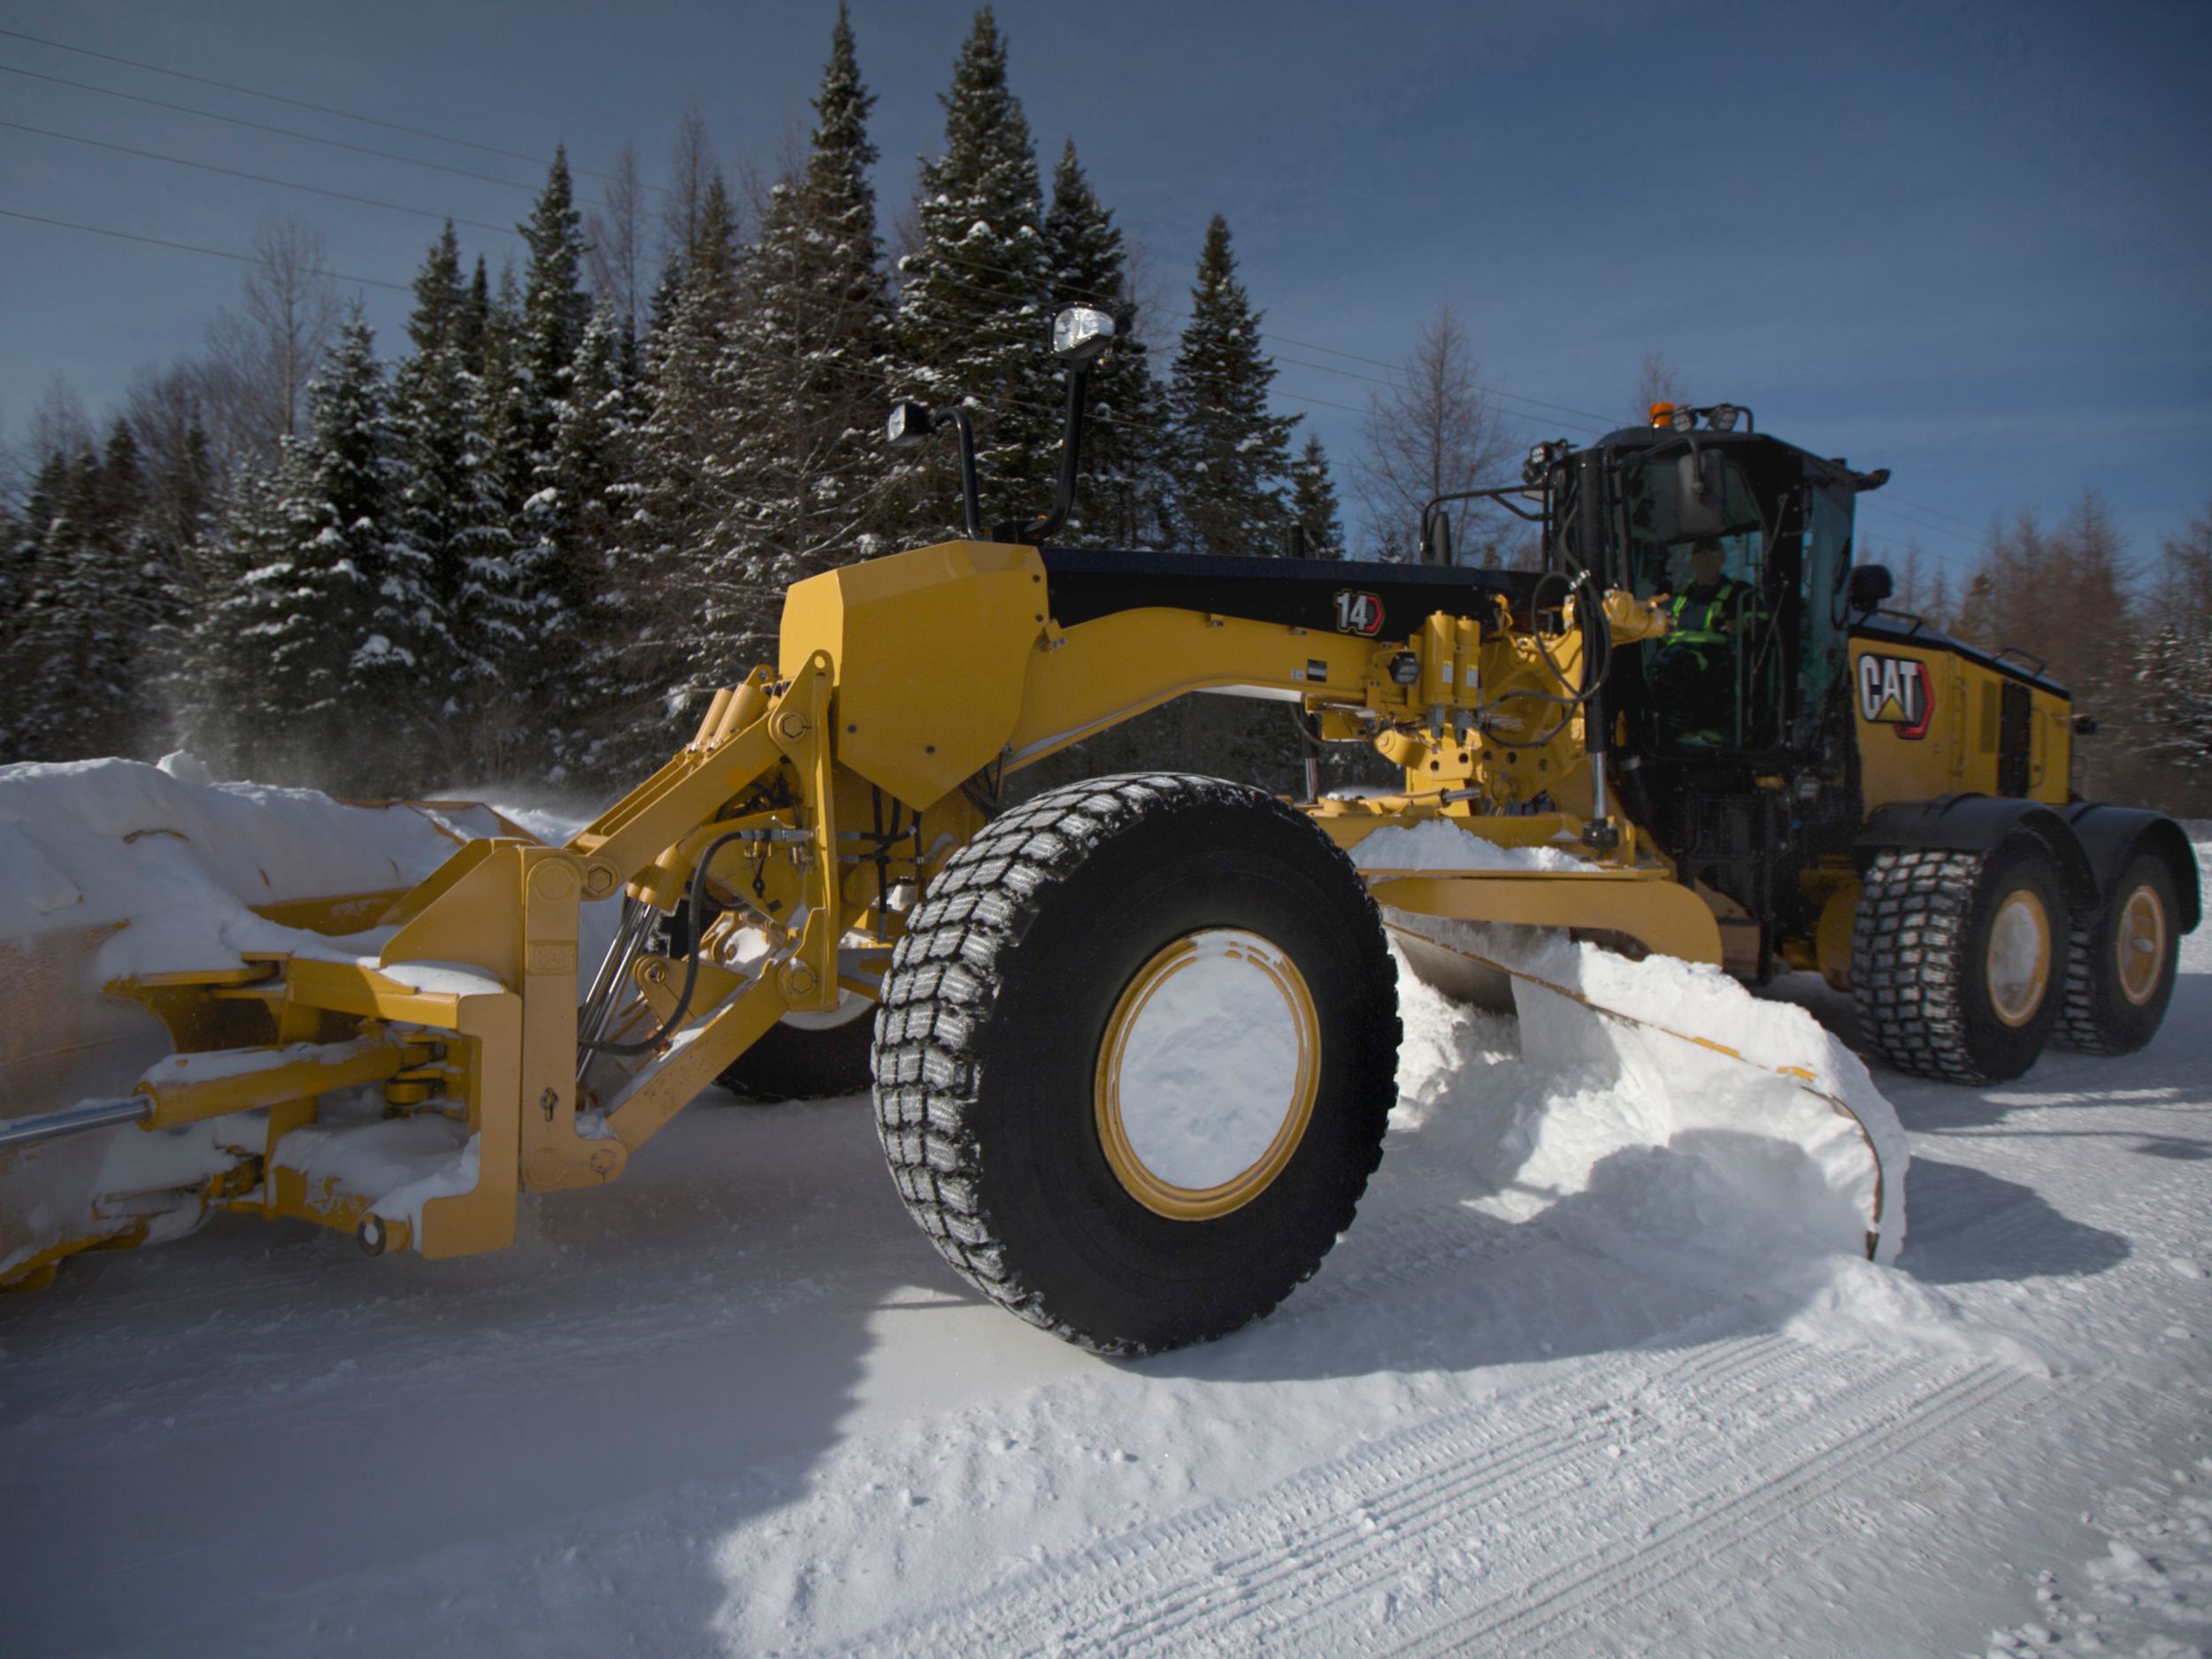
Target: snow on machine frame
1135	1037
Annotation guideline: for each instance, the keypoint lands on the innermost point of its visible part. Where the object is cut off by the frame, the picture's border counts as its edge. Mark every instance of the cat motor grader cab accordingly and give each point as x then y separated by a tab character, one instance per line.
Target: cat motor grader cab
1134	1041
1855	793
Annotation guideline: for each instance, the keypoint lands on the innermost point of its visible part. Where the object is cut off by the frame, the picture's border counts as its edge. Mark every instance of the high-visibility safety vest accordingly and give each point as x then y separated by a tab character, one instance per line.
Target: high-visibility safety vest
1701	621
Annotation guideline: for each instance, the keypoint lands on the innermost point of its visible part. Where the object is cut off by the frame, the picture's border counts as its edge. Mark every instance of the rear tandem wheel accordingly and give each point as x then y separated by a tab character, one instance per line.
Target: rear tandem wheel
2120	965
1136	1053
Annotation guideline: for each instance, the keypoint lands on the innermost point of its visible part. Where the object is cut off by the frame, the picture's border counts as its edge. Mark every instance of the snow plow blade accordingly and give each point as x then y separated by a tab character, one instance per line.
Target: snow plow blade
1778	1109
1614	970
149	926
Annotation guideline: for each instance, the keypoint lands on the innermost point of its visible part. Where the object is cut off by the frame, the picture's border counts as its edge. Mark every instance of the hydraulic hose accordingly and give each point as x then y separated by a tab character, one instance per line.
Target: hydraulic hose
682	1010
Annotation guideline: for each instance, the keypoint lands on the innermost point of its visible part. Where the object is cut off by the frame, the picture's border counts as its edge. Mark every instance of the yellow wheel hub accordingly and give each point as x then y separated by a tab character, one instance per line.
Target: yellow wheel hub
2018	964
1206	1079
2141	945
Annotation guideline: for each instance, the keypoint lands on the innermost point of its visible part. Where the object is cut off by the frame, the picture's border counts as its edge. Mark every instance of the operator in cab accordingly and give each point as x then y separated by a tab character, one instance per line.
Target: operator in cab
1694	676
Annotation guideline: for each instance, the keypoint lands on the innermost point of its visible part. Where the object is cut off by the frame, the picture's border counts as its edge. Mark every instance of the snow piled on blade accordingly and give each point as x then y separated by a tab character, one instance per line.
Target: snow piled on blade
1439	844
113	870
1768	1123
173	866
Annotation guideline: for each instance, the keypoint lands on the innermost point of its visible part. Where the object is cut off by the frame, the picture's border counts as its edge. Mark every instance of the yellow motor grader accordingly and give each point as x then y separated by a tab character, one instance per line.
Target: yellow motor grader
1134	1038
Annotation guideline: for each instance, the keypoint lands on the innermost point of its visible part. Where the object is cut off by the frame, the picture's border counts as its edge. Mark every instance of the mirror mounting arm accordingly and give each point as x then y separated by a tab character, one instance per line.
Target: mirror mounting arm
971	498
1071	446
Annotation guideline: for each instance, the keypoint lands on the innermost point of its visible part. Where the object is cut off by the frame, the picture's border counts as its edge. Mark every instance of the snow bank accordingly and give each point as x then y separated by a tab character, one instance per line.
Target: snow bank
1439	844
1632	1056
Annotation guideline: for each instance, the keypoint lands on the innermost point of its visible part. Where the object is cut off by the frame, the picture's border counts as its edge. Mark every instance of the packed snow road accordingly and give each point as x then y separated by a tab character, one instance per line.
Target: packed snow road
735	1403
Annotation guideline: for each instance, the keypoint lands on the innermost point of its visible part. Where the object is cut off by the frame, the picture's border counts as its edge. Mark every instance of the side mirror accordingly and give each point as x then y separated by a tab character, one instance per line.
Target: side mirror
1701	497
909	425
1081	332
1436	540
1870	585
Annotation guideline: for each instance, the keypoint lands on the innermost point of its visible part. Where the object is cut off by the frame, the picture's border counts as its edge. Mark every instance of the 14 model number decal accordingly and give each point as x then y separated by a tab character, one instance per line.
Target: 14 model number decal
1357	612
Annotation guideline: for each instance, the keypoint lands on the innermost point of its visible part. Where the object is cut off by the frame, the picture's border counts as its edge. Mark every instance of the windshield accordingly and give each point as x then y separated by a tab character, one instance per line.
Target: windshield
1664	526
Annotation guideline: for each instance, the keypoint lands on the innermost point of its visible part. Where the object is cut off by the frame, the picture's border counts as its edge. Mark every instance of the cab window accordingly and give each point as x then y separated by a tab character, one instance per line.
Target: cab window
1659	542
1826	605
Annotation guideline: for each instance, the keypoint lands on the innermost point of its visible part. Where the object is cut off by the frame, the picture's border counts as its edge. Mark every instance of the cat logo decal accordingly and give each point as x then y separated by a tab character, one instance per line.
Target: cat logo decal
1896	691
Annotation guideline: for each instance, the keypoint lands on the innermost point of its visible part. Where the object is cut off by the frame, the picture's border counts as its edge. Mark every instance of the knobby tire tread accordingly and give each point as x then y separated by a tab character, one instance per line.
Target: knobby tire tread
1915	911
946	973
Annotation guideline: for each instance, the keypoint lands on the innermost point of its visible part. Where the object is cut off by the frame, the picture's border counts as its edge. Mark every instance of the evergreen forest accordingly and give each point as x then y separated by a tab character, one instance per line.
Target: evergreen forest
521	547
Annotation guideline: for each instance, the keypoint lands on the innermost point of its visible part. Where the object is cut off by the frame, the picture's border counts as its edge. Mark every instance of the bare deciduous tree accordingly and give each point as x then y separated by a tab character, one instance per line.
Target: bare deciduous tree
59	425
1657	381
1433	431
690	169
617	253
261	357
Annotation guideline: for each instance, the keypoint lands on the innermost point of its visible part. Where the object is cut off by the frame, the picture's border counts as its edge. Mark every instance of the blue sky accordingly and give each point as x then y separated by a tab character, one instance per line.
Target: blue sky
1972	243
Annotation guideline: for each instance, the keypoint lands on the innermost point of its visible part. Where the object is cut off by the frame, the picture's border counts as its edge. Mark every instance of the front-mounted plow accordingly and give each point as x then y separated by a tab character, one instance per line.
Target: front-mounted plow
466	1012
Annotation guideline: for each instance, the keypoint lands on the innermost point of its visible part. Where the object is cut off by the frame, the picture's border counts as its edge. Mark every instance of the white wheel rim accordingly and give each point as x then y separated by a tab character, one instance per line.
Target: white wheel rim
1206	1079
2140	945
2018	964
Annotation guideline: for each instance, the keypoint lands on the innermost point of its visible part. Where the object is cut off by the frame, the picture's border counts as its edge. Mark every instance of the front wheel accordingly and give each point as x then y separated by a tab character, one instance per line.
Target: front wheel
1957	959
1136	1053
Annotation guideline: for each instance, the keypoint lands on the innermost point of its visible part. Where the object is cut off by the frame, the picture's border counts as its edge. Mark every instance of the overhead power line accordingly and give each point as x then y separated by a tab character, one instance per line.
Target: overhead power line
1288	394
1939	512
264	126
298	103
258	178
1162	314
187	246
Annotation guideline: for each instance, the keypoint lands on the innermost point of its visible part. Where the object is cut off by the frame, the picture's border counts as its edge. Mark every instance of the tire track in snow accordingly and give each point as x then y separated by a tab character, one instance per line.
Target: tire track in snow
1173	1586
1321	1596
1565	1604
1400	1249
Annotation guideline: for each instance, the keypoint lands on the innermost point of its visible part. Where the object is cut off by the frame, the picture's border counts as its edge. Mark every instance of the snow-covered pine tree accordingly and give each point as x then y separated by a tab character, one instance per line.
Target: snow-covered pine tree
227	696
20	560
1231	461
1123	479
972	324
346	626
502	395
573	516
440	300
1231	455
1313	503
143	575
449	510
680	503
17	549
803	381
475	321
556	310
181	498
76	642
2174	667
555	568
